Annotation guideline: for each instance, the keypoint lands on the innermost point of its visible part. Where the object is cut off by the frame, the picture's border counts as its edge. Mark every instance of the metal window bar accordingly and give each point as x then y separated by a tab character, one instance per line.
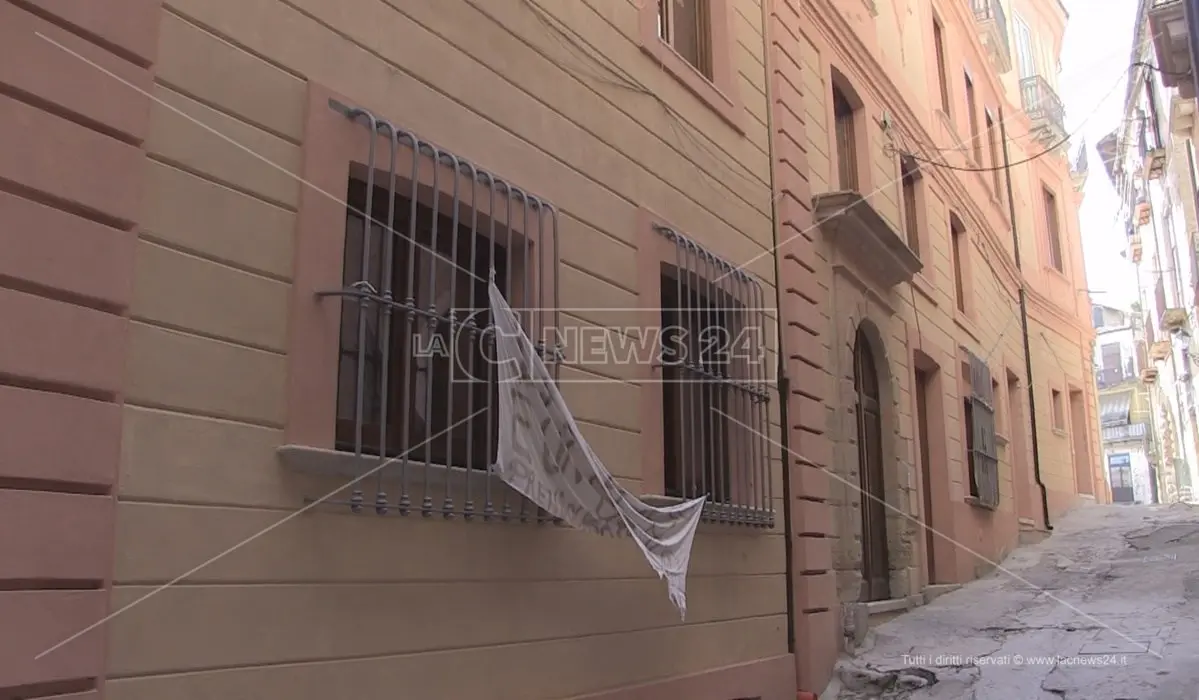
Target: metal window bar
986	456
714	383
416	379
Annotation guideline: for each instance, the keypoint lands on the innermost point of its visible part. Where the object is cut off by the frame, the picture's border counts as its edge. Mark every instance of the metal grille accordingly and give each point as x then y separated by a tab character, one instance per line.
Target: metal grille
416	377
985	458
714	385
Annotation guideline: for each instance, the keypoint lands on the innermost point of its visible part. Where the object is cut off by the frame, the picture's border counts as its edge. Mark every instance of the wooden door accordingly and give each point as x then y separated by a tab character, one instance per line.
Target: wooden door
875	567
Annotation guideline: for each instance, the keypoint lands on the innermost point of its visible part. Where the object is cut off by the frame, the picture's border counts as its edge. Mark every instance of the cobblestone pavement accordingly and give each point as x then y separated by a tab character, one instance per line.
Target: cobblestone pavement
1108	609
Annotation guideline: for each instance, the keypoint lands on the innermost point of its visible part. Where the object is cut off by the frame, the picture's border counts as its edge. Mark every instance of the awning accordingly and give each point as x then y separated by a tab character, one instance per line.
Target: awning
1114	409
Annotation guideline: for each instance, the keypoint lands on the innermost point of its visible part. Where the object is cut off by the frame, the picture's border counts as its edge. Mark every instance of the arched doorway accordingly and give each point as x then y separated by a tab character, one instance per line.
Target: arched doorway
876	584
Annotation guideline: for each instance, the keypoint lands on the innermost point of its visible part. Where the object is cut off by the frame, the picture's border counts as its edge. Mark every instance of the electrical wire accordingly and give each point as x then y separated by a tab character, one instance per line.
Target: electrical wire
1052	149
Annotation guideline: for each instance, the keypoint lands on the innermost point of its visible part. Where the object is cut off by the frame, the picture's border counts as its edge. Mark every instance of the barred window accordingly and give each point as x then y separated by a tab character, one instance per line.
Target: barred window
714	386
416	374
982	459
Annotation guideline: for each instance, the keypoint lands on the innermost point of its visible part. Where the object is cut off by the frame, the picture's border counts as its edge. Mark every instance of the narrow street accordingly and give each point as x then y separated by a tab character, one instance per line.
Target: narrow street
1107	608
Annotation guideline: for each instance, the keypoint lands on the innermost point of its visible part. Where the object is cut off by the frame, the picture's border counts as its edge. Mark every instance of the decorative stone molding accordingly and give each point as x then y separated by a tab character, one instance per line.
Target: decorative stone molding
860	233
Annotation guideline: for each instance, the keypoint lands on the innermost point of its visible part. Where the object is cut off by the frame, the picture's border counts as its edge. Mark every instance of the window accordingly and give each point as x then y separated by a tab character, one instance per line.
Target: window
978	416
1024	48
714	390
1096	317
1110	352
1052	225
910	179
996	147
847	147
1059	411
976	144
942	73
1155	129
415	380
957	241
687	26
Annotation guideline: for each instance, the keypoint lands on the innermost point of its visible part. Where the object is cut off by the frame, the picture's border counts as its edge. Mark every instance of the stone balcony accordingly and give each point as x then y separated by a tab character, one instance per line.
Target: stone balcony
1172	43
993	30
1045	109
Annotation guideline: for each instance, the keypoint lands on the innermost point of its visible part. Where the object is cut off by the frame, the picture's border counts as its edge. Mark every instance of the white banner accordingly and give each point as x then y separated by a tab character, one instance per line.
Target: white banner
542	454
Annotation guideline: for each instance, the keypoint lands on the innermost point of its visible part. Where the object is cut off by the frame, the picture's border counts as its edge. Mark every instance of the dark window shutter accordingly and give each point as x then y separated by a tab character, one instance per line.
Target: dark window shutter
986	458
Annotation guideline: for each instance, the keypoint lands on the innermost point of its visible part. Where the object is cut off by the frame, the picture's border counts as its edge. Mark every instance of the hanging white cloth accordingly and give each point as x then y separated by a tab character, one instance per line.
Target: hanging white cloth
543	455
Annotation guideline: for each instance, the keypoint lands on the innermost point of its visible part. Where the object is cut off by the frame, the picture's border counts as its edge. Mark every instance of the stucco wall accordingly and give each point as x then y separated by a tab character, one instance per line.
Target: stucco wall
335	605
893	74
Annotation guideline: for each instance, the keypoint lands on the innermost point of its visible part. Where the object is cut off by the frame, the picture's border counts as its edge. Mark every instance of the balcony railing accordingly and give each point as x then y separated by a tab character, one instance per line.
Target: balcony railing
1108	377
1045	109
1122	433
992	26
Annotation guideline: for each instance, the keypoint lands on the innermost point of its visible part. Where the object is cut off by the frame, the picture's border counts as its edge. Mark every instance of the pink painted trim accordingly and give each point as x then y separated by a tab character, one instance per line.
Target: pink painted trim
721	93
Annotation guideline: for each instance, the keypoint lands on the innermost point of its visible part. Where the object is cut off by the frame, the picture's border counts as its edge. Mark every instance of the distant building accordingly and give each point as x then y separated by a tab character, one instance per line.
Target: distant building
1125	419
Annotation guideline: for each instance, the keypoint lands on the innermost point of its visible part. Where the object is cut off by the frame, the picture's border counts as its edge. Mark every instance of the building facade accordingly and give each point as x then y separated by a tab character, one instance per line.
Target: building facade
1130	450
1150	160
248	249
920	410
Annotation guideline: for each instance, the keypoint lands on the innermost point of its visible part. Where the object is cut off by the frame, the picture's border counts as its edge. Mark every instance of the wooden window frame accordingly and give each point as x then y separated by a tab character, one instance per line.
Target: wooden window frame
1057	408
995	146
856	127
959	243
720	92
1055	250
942	64
971	97
911	187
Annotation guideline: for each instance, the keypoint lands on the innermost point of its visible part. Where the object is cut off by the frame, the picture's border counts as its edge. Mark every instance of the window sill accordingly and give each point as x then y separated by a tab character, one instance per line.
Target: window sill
963	321
721	99
433	479
717	512
973	501
1001	439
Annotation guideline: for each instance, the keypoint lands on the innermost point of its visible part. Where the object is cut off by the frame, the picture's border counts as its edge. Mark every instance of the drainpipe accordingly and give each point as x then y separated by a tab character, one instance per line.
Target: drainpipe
784	384
1032	392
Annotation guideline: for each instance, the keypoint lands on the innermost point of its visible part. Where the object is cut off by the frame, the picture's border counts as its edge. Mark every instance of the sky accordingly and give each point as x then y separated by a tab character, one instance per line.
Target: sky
1095	55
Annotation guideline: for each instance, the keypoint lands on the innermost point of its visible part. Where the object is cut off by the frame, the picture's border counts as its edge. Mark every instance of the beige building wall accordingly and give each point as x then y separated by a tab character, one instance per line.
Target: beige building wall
333	605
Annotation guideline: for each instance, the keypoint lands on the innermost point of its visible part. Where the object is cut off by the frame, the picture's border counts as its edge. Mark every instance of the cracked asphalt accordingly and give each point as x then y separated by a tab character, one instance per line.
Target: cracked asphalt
1107	608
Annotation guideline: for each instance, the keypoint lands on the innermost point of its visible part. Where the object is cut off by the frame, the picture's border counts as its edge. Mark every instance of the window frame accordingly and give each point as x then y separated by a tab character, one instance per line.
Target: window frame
720	92
995	145
971	97
335	147
656	251
911	187
959	243
979	431
942	65
1055	250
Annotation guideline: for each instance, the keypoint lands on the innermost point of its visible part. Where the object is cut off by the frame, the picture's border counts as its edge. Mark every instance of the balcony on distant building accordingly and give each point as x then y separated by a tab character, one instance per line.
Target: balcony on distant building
1125	433
1172	43
1045	109
992	28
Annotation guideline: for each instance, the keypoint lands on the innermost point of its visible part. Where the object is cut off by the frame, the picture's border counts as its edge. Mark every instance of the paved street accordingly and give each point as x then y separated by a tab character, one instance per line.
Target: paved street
1108	609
